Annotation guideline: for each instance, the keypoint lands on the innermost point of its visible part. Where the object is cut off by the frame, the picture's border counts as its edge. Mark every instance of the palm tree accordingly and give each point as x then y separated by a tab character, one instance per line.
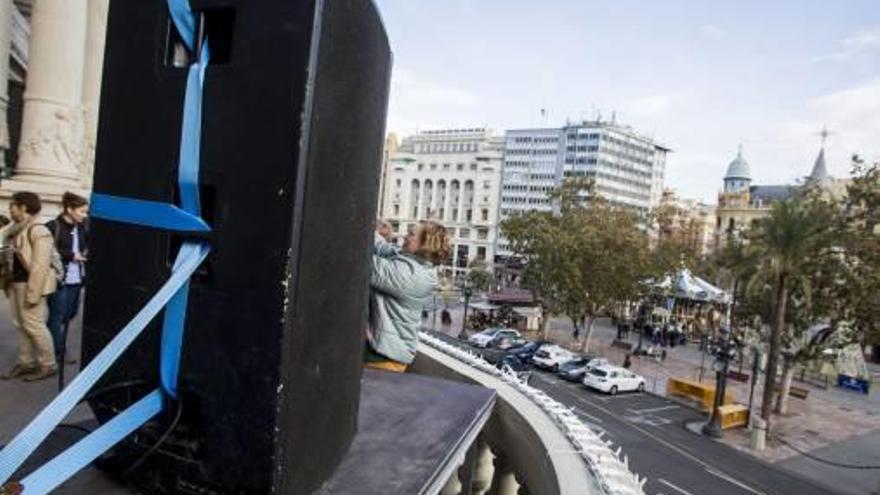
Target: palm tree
783	242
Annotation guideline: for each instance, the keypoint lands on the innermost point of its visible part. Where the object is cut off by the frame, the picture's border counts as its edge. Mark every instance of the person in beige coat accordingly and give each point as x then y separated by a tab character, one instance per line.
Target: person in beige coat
32	280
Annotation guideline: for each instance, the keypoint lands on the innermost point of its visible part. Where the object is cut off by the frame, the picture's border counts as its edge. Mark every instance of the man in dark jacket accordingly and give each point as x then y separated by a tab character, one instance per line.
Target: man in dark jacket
71	241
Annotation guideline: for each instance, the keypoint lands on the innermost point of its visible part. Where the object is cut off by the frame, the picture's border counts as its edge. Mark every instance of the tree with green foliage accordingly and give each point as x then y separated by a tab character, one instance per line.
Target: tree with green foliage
582	258
782	245
479	278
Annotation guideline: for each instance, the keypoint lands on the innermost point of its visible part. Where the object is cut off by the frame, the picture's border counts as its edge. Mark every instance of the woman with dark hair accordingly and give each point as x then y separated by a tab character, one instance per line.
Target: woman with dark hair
71	240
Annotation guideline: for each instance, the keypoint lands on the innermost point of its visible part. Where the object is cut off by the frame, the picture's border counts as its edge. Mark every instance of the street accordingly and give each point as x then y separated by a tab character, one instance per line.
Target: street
676	461
651	430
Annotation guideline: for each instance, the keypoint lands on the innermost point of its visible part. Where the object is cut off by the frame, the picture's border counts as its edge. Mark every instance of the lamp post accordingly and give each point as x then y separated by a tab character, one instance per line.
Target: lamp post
467	297
722	360
434	310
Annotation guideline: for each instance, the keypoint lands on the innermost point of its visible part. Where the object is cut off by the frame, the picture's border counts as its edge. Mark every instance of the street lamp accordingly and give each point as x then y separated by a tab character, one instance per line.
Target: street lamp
467	297
722	361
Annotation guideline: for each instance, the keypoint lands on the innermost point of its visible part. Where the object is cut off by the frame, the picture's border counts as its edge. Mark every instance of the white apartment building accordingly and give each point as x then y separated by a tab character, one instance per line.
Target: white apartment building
628	168
452	176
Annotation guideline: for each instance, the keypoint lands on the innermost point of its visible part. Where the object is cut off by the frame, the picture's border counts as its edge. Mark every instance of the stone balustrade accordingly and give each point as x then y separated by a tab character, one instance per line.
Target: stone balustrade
531	445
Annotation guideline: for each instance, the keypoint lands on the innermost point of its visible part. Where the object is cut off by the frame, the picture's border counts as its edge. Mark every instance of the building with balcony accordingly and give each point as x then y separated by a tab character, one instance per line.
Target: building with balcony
452	176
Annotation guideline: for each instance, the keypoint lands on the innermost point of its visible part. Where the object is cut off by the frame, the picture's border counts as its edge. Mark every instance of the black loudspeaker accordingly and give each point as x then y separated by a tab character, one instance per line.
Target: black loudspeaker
293	122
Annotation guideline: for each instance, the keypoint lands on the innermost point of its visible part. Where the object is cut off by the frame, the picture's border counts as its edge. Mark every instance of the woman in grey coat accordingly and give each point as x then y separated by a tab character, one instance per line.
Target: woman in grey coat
402	282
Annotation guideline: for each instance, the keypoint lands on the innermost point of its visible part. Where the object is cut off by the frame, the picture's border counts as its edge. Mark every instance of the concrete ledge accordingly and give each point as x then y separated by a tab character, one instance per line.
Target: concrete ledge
542	456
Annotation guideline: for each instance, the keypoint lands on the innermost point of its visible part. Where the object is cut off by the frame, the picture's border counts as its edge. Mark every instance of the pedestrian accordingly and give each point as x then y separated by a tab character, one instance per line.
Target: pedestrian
402	282
627	361
32	280
71	241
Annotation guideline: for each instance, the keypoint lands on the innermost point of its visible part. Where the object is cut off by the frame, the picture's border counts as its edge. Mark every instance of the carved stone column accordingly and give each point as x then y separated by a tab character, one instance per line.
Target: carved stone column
504	481
91	90
484	470
6	7
50	151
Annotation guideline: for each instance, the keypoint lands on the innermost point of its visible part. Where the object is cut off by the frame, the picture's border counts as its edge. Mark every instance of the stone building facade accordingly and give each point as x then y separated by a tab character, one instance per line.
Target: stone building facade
741	204
56	49
452	176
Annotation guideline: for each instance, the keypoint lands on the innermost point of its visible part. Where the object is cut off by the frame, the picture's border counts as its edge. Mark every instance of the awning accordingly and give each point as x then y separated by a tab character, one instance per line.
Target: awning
484	306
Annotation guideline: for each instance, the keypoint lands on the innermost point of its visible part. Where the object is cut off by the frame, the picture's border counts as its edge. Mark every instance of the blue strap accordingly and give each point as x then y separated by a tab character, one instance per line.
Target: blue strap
24	444
172	296
68	463
145	213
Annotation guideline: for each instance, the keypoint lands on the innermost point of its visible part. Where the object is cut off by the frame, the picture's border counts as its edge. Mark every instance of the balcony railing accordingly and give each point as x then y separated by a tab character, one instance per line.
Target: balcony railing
532	444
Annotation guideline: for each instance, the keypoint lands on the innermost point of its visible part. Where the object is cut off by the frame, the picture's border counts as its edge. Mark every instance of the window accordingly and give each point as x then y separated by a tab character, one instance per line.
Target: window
433	166
467	215
396	210
481	253
482	234
455	214
487	184
421	167
473	166
446	166
415	212
459	167
464	233
450	231
398	183
484	215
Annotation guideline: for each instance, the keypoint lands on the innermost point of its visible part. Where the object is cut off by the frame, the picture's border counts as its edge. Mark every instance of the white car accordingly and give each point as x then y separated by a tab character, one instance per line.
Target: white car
551	357
486	337
612	379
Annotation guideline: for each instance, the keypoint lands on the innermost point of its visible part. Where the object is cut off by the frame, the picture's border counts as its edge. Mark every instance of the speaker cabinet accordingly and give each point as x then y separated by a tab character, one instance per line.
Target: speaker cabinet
294	112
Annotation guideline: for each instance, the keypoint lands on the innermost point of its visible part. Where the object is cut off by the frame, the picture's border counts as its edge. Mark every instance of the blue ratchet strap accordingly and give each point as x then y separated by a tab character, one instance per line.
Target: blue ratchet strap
145	213
172	296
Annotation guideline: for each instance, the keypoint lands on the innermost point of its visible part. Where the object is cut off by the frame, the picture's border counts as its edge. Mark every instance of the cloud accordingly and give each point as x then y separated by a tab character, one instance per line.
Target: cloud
852	115
863	41
416	102
650	105
712	31
407	88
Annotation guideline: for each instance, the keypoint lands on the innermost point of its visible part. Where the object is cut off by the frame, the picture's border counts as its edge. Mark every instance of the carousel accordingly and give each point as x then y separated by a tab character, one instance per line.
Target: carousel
689	303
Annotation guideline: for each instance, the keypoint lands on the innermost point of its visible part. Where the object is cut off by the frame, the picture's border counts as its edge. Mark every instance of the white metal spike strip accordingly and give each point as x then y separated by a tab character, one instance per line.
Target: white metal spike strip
610	468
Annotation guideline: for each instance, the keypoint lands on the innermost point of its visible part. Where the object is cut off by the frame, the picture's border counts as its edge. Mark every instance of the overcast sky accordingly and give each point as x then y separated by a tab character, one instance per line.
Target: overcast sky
699	76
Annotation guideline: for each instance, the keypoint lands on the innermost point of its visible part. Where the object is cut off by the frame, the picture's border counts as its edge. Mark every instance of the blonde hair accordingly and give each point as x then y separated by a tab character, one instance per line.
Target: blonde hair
433	242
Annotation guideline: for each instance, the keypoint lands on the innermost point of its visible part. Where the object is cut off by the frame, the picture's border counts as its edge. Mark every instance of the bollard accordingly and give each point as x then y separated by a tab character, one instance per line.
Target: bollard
759	434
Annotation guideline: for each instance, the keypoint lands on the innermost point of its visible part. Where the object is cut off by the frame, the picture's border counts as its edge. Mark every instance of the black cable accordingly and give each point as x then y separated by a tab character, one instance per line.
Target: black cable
112	387
74	427
136	464
823	461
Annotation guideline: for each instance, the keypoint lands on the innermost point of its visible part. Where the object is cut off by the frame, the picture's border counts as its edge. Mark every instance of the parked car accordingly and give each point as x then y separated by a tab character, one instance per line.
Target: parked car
506	341
613	379
526	352
485	338
551	357
573	370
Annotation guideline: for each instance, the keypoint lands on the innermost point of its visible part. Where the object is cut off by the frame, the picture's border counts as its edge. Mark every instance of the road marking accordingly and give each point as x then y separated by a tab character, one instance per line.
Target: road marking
582	413
729	479
672	446
670	485
652	409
